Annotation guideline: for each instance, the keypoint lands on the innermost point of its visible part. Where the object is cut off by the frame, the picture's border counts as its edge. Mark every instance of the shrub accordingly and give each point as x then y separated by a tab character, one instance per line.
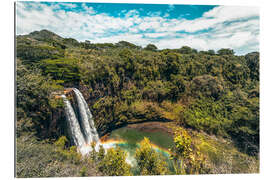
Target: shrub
114	163
149	161
32	53
65	153
208	116
61	69
206	85
185	155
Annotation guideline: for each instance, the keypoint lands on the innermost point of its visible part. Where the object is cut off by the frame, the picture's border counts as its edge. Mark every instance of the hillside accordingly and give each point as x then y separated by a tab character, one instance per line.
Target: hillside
208	93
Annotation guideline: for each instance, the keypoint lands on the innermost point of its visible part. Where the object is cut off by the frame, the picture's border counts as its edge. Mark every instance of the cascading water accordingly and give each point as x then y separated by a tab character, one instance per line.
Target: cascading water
74	126
86	134
87	121
82	128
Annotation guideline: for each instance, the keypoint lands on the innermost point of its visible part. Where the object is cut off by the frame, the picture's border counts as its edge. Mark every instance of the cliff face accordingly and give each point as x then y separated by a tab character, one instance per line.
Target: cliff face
57	125
57	122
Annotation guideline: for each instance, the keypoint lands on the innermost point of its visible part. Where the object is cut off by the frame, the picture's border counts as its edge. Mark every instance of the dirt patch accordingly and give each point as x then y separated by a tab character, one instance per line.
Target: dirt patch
152	127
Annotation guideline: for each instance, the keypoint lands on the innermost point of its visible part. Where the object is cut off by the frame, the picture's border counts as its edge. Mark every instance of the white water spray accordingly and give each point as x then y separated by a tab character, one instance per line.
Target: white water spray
87	121
74	126
85	134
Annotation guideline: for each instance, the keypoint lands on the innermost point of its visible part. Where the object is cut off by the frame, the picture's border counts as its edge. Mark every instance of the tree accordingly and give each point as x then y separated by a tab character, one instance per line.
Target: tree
149	161
101	153
206	85
211	52
179	86
156	90
253	62
224	51
34	101
114	163
186	50
151	47
125	44
186	160
171	65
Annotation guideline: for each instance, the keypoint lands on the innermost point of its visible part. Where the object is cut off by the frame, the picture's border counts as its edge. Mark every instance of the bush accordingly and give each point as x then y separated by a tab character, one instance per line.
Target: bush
186	157
207	86
225	52
157	91
151	47
114	163
145	110
65	153
149	161
208	116
65	70
32	53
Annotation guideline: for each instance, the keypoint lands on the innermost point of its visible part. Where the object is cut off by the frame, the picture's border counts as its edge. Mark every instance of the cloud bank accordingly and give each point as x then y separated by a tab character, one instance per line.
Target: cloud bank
221	27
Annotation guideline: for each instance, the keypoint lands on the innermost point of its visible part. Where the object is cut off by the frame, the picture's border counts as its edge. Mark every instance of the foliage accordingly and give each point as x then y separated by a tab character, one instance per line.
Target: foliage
207	86
149	161
186	50
156	90
31	53
253	64
64	153
207	115
125	44
151	47
65	70
113	163
187	160
225	52
101	153
34	101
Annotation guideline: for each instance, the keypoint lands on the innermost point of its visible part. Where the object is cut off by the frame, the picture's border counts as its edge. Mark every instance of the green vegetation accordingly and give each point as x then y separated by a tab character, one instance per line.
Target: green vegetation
42	159
114	163
149	161
35	105
187	160
208	92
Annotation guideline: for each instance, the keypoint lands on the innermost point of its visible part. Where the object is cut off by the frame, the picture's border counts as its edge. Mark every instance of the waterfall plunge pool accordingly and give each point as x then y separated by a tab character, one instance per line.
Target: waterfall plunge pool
129	137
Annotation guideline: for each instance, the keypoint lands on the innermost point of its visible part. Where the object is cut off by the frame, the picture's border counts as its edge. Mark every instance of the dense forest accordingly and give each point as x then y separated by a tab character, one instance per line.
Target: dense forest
200	93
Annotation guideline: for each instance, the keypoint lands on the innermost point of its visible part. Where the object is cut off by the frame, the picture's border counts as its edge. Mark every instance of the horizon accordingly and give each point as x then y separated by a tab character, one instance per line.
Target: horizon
216	52
202	27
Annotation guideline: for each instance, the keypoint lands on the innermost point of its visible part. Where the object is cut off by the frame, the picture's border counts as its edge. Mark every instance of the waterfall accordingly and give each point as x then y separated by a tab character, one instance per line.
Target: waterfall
73	124
86	119
82	132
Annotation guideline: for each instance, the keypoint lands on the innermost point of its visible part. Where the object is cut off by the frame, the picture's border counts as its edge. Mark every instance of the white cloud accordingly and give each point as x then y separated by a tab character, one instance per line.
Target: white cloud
131	13
156	35
171	7
221	27
88	9
67	5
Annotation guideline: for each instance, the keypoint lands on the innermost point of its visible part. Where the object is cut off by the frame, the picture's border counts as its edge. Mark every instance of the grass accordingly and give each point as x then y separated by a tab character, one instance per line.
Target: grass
39	159
223	156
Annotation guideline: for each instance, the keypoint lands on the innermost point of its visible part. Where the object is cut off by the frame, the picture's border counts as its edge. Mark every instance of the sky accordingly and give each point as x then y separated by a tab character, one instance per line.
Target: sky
202	27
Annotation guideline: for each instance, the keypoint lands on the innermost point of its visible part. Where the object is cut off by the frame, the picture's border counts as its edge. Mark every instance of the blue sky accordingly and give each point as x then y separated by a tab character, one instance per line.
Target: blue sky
202	27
